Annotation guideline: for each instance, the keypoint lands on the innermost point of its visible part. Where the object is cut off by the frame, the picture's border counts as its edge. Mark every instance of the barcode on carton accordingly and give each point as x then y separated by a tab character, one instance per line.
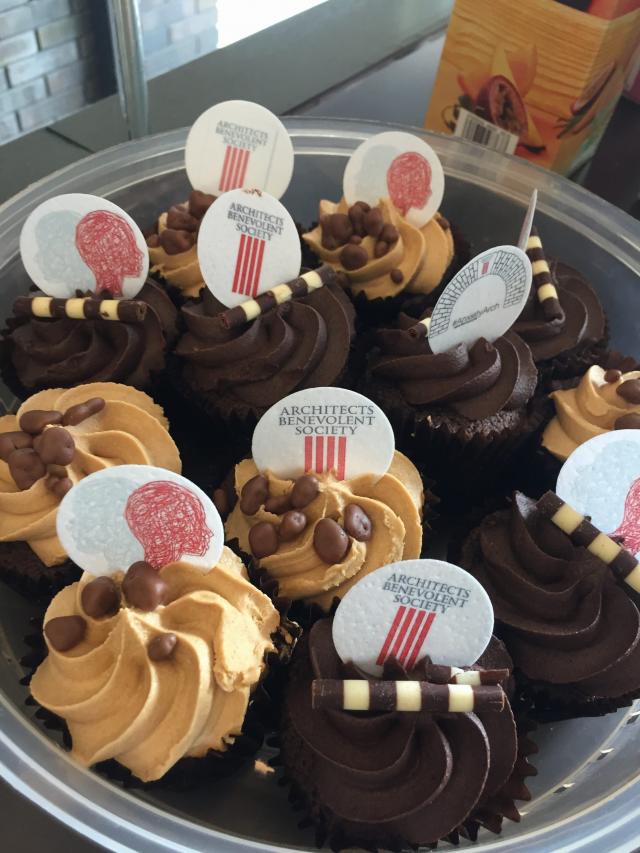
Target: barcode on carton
476	129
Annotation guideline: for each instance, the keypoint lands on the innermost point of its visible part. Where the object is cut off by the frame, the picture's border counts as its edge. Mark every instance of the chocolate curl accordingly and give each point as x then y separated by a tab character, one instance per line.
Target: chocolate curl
81	308
582	533
421	329
545	288
438	674
301	286
360	695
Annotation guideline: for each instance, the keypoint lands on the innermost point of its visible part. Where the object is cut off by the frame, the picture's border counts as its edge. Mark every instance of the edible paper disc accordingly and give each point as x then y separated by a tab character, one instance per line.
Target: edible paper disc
324	429
82	242
120	515
601	478
239	144
411	609
398	166
247	243
483	300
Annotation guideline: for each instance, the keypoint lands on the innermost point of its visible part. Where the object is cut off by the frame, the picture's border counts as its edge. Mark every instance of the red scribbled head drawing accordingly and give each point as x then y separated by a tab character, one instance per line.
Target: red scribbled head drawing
169	522
409	181
108	247
629	528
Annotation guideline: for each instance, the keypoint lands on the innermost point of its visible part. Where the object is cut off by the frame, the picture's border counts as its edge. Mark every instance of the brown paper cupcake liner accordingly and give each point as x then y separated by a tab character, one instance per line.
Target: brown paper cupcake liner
24	571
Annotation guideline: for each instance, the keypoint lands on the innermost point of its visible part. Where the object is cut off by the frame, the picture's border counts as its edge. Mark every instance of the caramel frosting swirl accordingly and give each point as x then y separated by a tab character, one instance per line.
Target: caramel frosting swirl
130	429
564	618
391	255
595	406
393	503
147	714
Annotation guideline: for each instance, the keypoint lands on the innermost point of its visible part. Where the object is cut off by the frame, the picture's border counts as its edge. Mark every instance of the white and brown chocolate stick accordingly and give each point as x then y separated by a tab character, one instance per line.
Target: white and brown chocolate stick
362	695
542	281
438	674
421	328
81	308
581	532
301	286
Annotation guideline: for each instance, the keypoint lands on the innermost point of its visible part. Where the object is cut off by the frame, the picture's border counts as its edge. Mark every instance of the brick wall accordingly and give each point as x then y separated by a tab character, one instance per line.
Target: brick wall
56	55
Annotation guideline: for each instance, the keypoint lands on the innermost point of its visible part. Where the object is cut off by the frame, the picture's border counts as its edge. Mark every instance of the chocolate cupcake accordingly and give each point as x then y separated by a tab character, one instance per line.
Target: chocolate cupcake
172	247
318	536
572	630
234	374
55	439
158	670
391	779
61	352
462	415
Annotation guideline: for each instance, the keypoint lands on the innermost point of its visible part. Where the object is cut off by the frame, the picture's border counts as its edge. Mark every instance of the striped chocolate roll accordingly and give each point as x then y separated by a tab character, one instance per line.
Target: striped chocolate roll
301	286
361	695
545	288
81	308
421	328
438	674
581	532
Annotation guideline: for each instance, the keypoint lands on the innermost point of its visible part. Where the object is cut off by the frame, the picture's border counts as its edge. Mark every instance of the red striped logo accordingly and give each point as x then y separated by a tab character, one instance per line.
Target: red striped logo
485	267
246	276
325	454
234	168
406	636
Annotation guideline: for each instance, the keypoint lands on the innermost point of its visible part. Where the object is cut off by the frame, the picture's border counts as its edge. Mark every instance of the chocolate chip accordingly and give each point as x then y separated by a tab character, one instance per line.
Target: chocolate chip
330	541
10	441
356	216
65	632
199	203
396	276
263	539
629	421
153	241
355	240
329	242
59	485
353	257
380	249
55	446
26	467
35	421
389	233
612	375
254	493
630	391
162	647
179	217
373	222
357	523
278	504
76	414
293	523
174	242
362	205
339	226
305	489
100	597
143	587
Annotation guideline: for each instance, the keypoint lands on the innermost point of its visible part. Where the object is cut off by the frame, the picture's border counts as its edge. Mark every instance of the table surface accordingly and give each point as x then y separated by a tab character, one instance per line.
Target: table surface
388	92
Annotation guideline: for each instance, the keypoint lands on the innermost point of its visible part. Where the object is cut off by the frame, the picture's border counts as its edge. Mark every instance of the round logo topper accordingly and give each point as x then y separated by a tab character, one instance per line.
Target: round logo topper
247	243
601	479
483	300
398	166
120	515
411	609
83	242
239	144
324	429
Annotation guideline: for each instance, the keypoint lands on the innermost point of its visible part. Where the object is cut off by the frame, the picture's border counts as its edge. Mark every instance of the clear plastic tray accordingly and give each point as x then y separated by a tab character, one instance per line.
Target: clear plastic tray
587	793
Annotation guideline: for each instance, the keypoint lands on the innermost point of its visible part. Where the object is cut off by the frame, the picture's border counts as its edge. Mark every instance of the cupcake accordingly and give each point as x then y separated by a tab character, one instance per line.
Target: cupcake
62	352
390	780
318	536
382	258
573	632
235	374
150	668
55	439
464	413
570	337
173	256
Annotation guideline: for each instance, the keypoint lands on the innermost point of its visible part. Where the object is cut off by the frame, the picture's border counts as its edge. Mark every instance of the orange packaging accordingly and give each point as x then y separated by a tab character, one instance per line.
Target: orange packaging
538	78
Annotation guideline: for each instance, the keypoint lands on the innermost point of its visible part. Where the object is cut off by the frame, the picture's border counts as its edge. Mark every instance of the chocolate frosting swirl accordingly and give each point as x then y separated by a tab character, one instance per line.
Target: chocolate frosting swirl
565	619
476	382
583	321
303	343
391	779
62	353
